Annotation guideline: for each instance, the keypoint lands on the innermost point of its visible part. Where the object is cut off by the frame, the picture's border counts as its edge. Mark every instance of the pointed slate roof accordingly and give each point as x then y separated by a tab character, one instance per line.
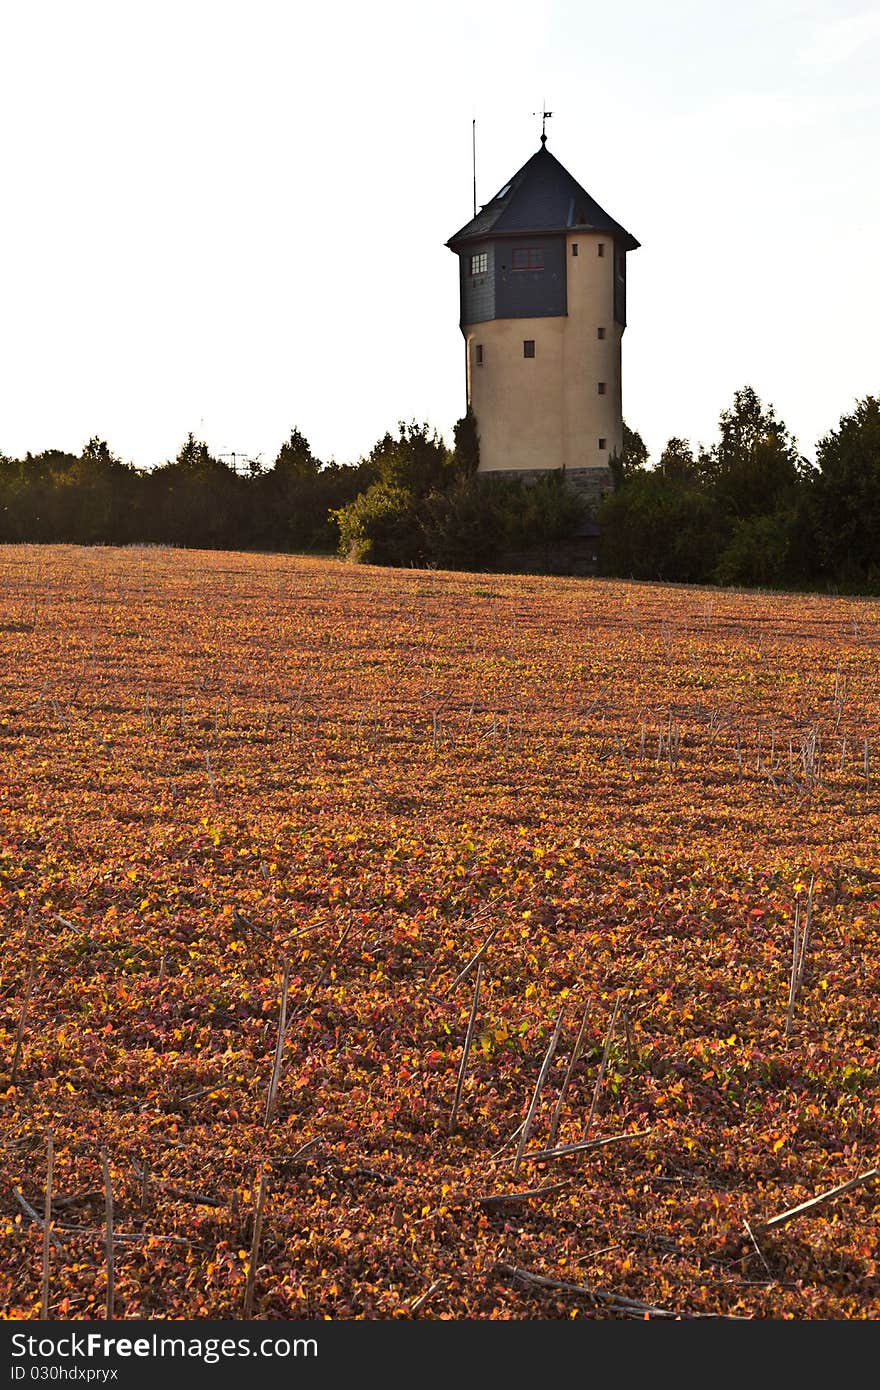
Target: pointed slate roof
541	197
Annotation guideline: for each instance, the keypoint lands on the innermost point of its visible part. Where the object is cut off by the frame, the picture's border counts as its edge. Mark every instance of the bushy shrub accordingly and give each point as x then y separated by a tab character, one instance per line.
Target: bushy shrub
659	528
381	527
758	552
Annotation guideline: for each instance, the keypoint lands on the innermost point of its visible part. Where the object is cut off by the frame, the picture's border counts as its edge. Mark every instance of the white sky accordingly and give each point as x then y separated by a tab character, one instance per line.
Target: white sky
229	216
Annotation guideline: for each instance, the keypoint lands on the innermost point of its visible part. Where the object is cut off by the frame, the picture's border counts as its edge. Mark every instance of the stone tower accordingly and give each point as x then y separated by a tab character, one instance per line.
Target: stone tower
543	309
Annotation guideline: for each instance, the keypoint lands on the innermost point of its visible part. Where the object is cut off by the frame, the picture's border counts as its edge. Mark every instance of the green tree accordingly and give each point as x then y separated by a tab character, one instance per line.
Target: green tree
632	458
99	496
755	467
677	462
415	459
845	502
295	458
196	500
466	453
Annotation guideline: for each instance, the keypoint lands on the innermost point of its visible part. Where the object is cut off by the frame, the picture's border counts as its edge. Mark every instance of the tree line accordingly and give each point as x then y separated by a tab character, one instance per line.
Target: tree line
411	501
749	509
194	499
746	510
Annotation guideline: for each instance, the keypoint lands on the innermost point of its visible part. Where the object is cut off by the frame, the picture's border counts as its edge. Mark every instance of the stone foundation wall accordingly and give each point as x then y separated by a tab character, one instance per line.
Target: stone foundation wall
591	483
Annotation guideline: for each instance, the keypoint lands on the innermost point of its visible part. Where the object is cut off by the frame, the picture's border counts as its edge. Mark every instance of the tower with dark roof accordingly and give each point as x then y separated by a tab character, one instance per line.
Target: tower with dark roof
543	307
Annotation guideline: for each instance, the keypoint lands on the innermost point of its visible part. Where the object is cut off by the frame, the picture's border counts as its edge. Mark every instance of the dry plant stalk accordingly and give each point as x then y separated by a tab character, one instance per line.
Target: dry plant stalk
255	1247
542	1155
805	937
542	1077
795	958
630	1307
108	1235
503	1199
805	1208
603	1066
468	1039
279	1048
422	1299
800	942
751	1235
575	1056
328	966
47	1225
474	960
22	1022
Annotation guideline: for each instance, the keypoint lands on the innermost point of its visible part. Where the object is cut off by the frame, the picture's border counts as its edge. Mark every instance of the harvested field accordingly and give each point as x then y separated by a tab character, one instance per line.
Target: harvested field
244	794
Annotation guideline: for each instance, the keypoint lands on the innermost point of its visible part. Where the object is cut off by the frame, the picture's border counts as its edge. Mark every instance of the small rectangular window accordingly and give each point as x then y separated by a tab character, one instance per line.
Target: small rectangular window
621	266
479	354
527	258
480	263
601	248
600	333
574	248
602	388
603	443
528	347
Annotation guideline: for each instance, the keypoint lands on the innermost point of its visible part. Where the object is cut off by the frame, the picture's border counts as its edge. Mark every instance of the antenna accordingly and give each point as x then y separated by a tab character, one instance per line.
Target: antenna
545	116
474	153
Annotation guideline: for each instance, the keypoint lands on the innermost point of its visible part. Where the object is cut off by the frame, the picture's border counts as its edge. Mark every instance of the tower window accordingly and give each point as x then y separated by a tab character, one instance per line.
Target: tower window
601	248
603	443
480	263
621	265
528	347
574	248
600	333
479	352
527	258
602	386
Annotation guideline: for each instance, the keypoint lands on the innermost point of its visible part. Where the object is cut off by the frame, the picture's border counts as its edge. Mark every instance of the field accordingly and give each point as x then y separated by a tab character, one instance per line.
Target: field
244	791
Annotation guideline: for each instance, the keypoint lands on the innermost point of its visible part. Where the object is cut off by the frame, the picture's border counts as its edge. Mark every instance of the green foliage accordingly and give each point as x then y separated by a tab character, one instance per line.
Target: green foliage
659	528
758	551
415	459
468	523
733	513
381	526
192	499
544	511
295	458
745	510
630	460
846	498
466	454
295	498
677	462
466	527
755	467
89	497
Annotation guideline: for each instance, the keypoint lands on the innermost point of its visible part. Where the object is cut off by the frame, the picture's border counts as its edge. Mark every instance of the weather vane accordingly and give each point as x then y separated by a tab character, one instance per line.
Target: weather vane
545	116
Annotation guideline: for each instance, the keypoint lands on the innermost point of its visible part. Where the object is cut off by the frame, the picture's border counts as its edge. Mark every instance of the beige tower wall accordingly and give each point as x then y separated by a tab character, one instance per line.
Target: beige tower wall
546	412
